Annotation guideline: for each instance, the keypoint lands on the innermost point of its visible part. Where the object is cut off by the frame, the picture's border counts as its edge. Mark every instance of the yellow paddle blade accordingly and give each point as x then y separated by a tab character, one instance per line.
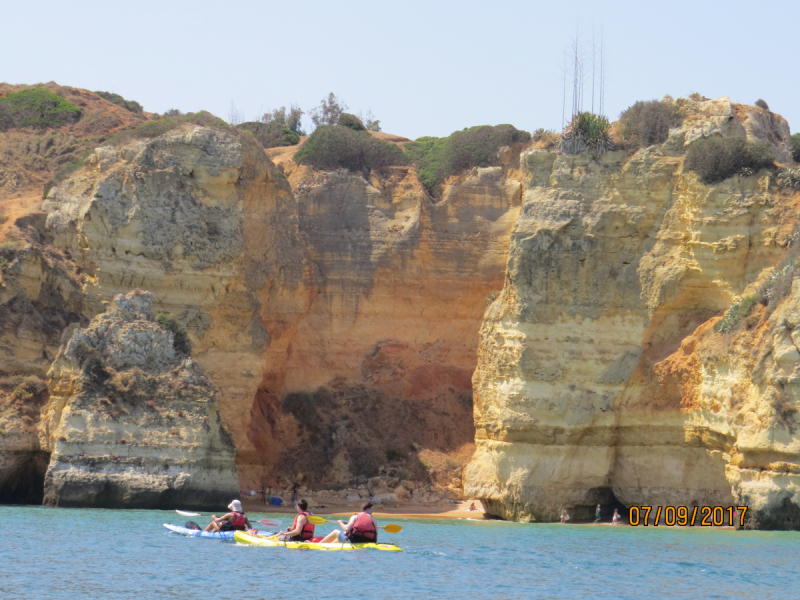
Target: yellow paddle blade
315	520
392	528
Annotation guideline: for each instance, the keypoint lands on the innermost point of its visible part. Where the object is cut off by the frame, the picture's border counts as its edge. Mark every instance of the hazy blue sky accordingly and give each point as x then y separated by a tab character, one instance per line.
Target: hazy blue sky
423	68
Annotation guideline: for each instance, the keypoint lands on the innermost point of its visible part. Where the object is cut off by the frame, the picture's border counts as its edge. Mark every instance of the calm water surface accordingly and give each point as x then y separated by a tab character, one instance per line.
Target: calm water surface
66	554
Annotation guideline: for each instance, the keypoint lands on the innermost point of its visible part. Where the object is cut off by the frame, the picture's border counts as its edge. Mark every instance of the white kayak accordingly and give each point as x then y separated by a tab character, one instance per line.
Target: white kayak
214	535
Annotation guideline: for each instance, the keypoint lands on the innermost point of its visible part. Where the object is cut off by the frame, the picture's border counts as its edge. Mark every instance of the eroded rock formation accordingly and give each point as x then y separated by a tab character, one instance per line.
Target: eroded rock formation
589	388
338	317
40	295
341	316
131	421
202	219
382	360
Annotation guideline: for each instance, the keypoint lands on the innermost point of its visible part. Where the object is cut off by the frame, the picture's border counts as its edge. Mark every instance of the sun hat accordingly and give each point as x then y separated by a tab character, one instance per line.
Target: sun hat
235	506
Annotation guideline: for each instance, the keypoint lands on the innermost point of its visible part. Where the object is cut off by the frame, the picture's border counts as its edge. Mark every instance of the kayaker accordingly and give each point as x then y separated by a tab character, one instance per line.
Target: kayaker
235	520
361	529
302	530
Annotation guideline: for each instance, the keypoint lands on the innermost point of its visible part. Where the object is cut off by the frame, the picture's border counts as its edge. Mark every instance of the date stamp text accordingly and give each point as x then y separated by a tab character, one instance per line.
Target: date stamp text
704	516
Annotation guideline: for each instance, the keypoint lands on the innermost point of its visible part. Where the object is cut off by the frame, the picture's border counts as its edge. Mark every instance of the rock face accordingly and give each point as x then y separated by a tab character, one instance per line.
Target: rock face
342	316
590	387
131	422
40	295
723	118
203	220
380	364
22	461
745	404
338	316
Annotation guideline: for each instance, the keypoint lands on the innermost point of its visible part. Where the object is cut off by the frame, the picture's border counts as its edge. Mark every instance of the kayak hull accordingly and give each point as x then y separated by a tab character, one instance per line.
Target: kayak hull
214	535
244	538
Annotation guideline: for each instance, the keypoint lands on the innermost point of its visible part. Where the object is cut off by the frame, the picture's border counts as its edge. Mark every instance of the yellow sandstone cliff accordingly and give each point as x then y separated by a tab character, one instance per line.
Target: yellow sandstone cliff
342	318
204	221
132	420
338	317
590	386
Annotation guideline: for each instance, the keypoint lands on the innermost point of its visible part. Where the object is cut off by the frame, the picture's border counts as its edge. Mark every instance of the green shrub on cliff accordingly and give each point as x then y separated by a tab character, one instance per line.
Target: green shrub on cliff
91	363
129	105
587	132
303	406
333	147
648	123
36	107
770	294
796	147
789	177
158	127
735	315
272	134
180	339
351	121
715	159
439	158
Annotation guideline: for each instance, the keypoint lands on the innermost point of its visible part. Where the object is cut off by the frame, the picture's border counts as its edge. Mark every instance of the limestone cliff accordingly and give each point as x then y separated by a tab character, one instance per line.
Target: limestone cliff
132	421
743	400
337	313
343	318
588	386
203	220
379	366
40	295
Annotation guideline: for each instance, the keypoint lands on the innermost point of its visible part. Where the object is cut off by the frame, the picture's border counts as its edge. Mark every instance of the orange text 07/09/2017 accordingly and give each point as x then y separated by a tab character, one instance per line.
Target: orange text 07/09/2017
704	516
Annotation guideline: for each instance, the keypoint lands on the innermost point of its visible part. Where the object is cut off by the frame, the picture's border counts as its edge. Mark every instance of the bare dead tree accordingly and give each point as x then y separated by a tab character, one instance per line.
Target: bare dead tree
564	95
593	53
235	116
602	76
577	76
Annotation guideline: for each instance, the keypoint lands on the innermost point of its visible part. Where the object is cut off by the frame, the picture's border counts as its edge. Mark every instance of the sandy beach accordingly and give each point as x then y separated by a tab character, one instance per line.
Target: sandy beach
410	510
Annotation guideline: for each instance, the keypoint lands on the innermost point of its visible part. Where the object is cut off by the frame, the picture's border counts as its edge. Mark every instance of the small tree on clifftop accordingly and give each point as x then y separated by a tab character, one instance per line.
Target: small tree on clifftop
291	119
328	111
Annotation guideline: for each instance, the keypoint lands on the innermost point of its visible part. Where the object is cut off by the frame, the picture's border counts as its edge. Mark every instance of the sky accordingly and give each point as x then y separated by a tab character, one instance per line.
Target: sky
422	68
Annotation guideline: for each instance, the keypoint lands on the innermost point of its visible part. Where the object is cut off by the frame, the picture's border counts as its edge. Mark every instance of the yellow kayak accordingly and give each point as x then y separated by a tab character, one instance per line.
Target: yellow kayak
255	540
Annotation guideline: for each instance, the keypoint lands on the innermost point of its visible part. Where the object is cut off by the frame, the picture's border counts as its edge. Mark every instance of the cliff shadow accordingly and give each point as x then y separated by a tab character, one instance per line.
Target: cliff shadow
335	435
22	477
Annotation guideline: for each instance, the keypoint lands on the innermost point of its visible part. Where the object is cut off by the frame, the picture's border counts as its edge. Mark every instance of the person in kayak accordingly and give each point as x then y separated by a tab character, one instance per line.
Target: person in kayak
361	529
235	520
302	530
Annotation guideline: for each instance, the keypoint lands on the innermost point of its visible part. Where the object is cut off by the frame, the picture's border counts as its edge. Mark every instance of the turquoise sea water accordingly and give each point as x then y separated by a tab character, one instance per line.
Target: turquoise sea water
67	554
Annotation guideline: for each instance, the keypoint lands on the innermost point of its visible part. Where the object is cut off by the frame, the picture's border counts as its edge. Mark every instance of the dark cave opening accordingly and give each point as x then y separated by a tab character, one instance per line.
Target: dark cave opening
603	496
22	481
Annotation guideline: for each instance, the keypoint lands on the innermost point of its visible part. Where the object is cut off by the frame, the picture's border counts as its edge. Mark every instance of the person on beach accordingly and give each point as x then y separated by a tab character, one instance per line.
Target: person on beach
301	530
616	518
360	529
597	514
564	516
235	520
472	506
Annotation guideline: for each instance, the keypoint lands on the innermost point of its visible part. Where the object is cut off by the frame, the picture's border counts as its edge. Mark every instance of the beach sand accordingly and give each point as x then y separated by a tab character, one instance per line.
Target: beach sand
409	510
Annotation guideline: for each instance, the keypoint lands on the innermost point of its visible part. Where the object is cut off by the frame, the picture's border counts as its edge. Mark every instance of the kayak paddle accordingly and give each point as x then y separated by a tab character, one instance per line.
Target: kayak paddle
271	522
268	522
390	528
